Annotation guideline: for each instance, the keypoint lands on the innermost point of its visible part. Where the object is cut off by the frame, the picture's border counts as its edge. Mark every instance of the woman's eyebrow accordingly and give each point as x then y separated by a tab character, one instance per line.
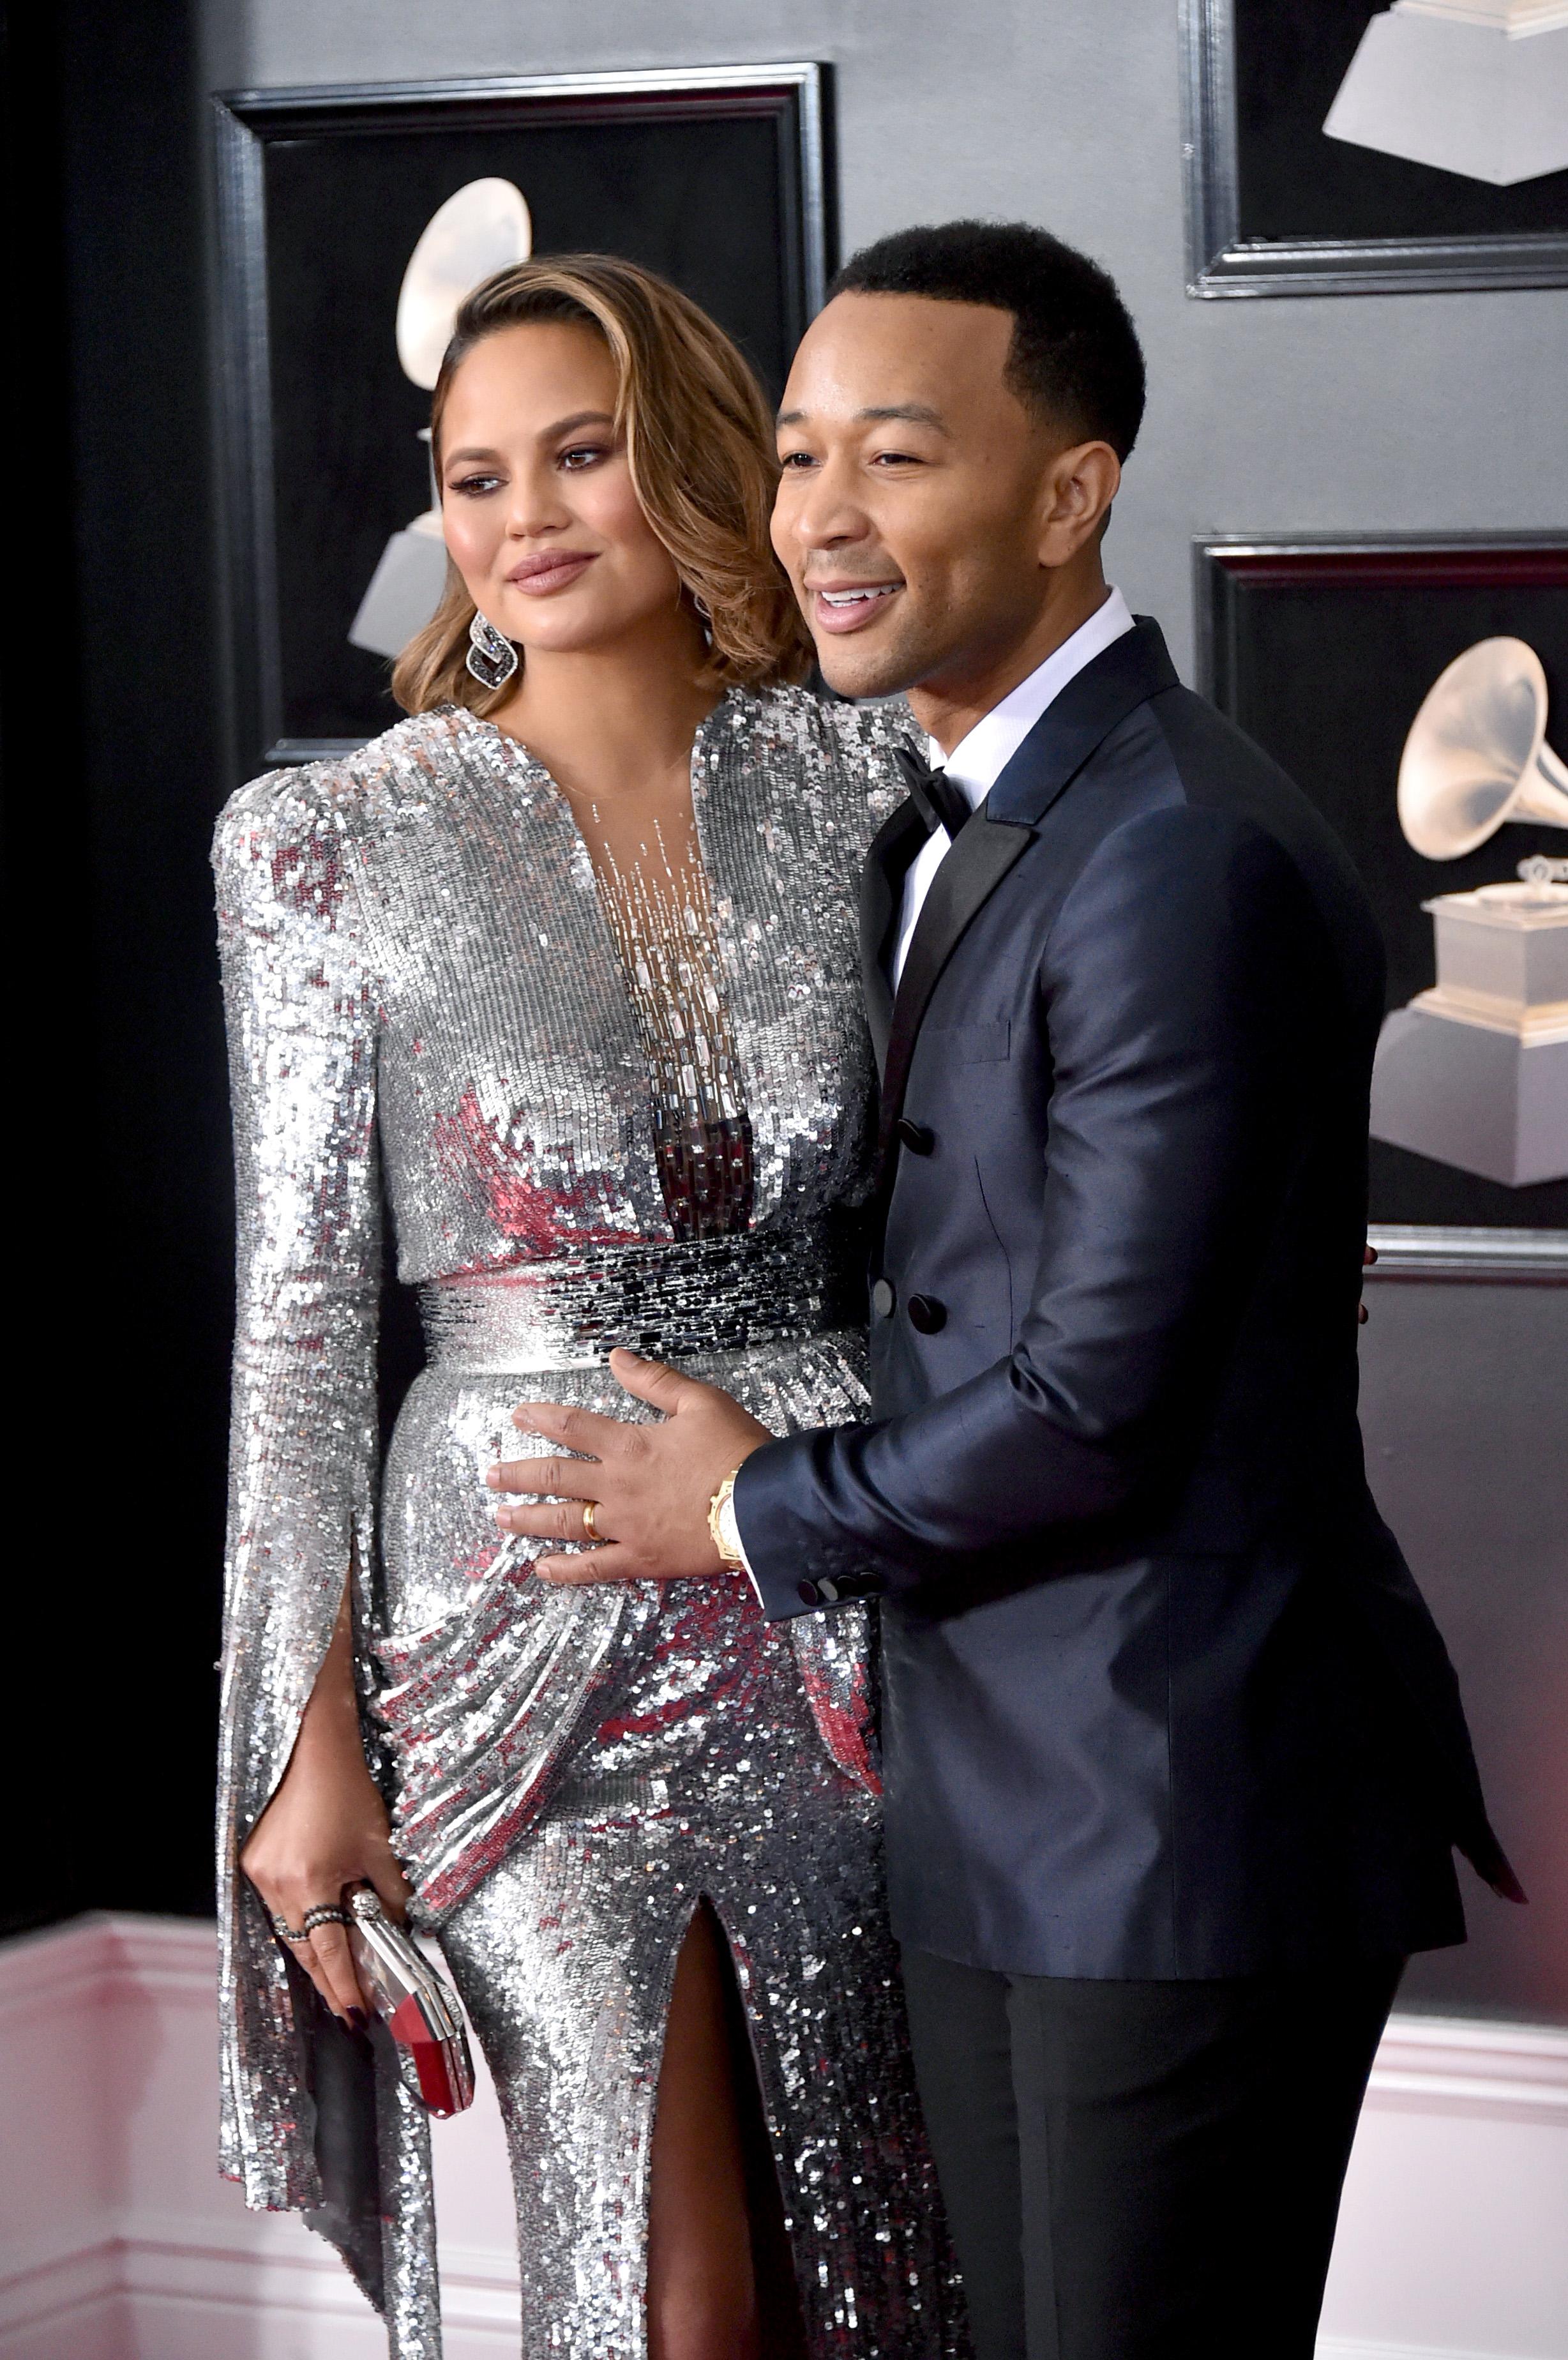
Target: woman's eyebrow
545	435
578	418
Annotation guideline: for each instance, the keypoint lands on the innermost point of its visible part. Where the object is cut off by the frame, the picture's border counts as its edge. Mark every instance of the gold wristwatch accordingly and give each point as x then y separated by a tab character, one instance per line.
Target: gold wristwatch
722	1529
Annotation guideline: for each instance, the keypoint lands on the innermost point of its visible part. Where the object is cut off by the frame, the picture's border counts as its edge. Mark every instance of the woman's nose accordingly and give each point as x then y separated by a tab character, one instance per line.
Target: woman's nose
536	507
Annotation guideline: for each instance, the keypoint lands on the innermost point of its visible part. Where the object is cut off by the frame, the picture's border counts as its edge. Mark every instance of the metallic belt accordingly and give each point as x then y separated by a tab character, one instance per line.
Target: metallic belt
714	1294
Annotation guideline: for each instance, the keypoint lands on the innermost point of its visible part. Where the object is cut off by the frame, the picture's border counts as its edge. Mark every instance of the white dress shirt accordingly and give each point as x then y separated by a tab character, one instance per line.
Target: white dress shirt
978	761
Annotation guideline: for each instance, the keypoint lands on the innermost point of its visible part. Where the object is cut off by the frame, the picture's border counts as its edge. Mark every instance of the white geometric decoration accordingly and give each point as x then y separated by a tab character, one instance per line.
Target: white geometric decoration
1476	87
1474	1073
484	227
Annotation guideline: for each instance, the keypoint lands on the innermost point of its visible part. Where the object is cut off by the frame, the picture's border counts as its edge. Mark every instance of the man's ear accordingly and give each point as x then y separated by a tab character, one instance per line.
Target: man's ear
1080	485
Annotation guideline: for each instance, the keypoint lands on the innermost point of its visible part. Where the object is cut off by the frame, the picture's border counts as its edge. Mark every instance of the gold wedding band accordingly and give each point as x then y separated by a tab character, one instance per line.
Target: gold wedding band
590	1529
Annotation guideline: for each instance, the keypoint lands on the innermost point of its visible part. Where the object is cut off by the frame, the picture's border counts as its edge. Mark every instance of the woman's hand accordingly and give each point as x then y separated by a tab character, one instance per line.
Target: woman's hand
325	1828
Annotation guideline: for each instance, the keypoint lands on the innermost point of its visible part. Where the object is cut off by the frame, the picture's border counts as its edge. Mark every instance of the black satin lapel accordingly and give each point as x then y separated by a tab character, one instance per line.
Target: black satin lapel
1075	724
969	875
892	850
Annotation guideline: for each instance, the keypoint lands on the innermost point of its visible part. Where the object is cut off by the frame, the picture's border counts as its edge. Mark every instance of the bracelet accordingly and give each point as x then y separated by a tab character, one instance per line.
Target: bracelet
721	1529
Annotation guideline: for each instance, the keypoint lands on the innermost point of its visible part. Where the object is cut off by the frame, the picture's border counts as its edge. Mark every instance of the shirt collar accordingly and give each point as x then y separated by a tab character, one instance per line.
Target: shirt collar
978	759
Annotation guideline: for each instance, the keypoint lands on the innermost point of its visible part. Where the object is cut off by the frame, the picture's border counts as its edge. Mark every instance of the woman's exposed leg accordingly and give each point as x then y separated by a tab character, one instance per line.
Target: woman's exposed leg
574	2032
702	2286
714	2288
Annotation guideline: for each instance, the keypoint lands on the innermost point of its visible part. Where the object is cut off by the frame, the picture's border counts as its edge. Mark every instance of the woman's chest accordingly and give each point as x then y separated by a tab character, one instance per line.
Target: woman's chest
523	1052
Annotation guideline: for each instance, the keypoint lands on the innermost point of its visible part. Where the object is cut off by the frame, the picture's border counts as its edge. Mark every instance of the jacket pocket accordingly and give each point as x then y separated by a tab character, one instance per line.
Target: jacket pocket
973	1045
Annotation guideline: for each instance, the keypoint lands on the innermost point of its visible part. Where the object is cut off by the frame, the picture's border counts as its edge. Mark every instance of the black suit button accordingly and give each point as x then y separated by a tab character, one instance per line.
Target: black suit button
927	1313
918	1137
806	1592
828	1590
883	1298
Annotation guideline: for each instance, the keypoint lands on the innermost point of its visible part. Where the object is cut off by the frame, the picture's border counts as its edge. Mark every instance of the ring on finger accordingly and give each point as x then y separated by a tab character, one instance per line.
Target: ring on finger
287	1933
325	1913
590	1529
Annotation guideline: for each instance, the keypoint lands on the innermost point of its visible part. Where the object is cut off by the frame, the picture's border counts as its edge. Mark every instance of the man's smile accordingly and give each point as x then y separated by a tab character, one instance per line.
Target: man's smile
847	606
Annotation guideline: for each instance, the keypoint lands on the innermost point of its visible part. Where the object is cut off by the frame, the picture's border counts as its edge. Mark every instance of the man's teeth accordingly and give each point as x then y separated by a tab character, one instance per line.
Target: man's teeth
858	597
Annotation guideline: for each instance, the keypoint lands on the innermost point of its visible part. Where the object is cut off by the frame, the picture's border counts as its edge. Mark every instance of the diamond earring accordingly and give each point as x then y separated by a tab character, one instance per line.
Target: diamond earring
492	660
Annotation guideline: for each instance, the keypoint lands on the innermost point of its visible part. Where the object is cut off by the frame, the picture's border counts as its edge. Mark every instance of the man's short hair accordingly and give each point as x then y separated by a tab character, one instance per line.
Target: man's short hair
1074	358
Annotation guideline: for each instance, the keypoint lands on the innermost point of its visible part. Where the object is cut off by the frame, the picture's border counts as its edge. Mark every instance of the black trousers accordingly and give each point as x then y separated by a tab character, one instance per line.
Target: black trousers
1143	2170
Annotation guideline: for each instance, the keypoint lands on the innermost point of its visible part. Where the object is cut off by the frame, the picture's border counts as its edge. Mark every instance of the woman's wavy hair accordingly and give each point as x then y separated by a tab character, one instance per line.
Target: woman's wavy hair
699	441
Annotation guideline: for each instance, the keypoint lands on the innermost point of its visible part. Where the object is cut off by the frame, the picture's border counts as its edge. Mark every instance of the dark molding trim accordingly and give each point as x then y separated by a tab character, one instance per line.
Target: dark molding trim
1538	1257
1220	262
1225	564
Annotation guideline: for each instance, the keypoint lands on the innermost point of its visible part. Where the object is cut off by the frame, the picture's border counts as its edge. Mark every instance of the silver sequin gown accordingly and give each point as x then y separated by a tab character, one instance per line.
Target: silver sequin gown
590	1128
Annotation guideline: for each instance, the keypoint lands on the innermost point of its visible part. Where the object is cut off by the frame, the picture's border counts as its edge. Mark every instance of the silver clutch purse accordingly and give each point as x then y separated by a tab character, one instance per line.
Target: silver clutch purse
418	2006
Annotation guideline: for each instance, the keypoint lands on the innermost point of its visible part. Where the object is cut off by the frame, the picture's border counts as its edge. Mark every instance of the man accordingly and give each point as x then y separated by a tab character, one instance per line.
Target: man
1174	1757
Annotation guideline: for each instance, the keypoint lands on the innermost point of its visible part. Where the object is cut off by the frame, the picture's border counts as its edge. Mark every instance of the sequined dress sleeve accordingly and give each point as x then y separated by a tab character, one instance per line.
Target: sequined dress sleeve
302	1004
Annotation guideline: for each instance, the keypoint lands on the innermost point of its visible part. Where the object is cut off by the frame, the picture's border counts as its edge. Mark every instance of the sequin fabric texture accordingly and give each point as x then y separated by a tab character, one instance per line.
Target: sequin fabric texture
597	1118
662	918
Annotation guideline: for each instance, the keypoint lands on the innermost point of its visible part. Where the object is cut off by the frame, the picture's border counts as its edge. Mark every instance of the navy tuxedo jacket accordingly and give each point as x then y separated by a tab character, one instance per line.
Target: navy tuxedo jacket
1160	1695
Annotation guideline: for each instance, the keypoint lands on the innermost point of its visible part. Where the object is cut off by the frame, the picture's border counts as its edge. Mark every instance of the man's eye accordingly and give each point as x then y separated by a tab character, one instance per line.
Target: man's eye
895	459
795	460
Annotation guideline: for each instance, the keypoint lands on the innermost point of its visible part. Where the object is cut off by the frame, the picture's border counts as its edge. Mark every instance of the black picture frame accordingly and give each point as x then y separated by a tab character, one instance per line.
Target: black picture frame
721	176
1273	207
1322	650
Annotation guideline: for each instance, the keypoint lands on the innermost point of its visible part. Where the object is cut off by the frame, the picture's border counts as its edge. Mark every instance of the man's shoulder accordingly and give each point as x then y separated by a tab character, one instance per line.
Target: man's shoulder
1220	768
1218	763
1126	721
1177	780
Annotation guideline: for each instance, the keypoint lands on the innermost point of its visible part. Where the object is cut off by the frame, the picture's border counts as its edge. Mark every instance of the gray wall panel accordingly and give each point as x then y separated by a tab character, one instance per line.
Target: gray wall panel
1465	1407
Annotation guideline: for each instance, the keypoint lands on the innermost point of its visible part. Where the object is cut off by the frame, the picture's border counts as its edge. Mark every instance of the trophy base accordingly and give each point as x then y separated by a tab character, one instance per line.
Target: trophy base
1468	98
404	591
1471	1095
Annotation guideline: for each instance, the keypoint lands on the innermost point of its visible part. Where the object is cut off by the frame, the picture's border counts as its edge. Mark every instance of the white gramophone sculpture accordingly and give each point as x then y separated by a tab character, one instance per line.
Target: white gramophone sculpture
1475	1072
481	229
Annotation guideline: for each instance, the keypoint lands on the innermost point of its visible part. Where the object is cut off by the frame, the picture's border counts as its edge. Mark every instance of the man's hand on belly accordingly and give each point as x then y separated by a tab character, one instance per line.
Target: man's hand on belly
648	1488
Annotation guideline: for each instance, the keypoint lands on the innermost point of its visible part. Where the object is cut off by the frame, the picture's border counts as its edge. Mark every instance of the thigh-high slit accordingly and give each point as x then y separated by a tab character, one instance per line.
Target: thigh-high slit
565	1958
720	2282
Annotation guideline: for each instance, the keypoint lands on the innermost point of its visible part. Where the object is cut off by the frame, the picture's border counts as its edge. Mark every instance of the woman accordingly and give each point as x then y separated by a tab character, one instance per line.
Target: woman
566	961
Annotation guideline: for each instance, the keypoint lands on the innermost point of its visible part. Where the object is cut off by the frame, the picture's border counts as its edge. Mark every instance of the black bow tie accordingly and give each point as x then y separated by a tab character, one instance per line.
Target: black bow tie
938	801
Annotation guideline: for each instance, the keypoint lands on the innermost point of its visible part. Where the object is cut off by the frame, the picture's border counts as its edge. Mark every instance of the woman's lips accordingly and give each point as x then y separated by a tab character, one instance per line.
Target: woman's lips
538	578
850	606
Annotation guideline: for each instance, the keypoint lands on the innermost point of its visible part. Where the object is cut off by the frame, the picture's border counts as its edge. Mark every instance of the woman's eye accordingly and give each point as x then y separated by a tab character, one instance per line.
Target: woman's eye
473	487
580	455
